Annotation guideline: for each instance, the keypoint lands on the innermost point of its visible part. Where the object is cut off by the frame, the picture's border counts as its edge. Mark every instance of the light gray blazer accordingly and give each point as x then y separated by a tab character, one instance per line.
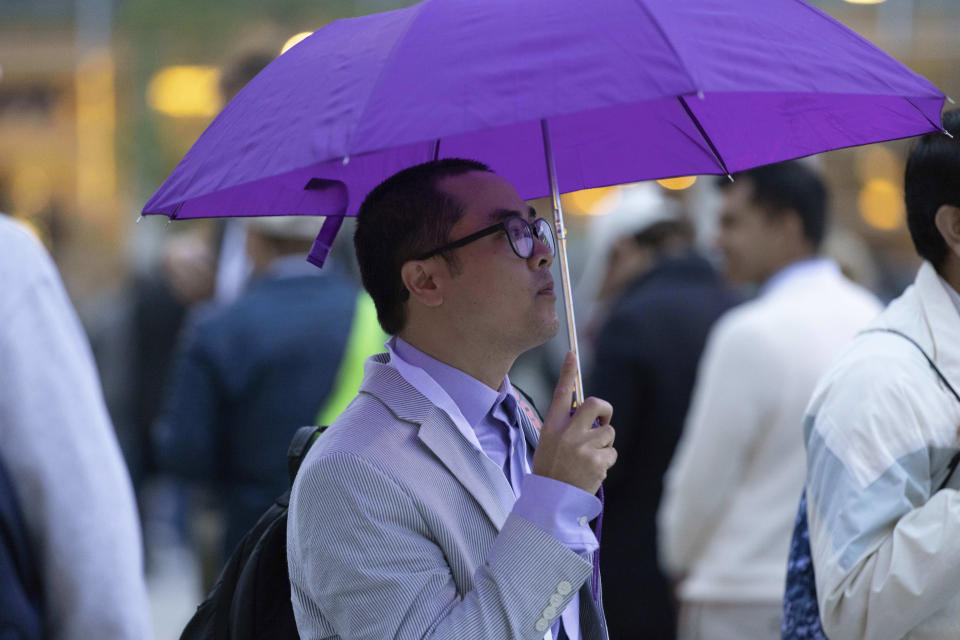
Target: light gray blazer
395	531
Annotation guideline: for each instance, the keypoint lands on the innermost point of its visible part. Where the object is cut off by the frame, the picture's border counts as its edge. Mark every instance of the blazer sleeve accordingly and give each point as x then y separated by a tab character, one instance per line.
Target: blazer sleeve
365	565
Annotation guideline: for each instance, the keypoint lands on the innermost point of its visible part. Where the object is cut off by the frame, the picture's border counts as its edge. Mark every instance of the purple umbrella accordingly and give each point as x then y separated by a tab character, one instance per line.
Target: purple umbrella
554	95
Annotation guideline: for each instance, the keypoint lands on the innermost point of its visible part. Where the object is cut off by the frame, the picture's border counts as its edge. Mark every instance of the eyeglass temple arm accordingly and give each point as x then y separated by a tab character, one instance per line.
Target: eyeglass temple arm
462	241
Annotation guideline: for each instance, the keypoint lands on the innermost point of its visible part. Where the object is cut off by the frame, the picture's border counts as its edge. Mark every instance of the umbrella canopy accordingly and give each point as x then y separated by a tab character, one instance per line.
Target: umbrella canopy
631	90
553	95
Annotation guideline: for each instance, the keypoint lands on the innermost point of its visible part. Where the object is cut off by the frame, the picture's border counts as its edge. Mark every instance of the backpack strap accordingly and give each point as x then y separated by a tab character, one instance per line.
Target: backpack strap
956	458
302	440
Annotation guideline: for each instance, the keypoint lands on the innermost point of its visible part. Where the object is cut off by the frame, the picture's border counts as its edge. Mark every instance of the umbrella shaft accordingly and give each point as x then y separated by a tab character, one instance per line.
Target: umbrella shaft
568	300
562	254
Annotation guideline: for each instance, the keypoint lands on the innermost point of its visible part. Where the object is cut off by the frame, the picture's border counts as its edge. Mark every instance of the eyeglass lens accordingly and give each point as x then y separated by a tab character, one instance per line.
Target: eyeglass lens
521	233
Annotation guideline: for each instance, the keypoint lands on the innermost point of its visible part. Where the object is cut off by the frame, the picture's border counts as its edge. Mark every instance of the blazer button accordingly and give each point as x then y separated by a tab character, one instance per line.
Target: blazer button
556	600
542	625
564	587
549	612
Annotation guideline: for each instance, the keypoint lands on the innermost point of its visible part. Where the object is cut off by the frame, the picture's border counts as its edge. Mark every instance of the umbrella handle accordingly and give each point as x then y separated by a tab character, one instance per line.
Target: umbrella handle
561	231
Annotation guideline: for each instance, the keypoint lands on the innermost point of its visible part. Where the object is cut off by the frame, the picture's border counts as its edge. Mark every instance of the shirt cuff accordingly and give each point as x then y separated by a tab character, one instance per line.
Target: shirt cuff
561	510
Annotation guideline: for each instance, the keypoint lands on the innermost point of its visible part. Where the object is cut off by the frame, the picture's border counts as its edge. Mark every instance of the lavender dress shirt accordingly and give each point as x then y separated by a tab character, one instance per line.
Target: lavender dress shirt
560	509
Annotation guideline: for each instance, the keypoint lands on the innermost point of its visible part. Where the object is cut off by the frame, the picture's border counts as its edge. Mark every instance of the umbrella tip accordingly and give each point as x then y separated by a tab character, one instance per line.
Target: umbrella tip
730	178
947	133
139	218
951	100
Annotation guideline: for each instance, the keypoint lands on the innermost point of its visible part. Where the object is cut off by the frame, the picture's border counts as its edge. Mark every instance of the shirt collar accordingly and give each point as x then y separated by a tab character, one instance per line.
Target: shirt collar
799	269
473	398
954	296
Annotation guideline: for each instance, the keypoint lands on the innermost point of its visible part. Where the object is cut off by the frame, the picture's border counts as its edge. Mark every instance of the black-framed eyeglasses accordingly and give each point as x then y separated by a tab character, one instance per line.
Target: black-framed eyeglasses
519	232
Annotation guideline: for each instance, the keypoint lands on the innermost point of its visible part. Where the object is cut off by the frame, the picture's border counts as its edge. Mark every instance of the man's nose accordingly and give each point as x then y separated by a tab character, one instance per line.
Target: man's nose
542	256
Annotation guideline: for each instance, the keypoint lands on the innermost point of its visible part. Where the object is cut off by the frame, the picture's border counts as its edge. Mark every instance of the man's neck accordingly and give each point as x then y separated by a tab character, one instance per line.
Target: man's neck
780	267
950	271
478	361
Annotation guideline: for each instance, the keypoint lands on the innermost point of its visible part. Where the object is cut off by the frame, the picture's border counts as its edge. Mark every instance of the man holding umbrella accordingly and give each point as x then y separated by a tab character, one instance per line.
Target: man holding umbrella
432	507
440	79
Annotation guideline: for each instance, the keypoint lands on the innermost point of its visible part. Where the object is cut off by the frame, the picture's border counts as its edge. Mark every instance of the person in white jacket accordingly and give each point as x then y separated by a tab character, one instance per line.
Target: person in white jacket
881	431
731	491
59	448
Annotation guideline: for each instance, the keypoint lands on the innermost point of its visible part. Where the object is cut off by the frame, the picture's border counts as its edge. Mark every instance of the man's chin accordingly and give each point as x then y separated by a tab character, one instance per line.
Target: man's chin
550	330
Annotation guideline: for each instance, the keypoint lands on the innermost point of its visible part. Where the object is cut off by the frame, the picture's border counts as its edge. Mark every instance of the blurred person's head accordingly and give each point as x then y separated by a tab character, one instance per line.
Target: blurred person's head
189	265
932	193
480	290
634	254
772	216
240	71
273	237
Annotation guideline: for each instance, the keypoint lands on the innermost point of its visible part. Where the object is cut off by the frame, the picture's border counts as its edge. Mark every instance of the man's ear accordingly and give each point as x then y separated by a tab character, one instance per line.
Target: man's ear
947	220
420	279
792	224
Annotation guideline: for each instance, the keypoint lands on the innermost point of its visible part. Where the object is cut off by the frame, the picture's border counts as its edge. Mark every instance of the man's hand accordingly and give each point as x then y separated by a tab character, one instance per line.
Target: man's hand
571	450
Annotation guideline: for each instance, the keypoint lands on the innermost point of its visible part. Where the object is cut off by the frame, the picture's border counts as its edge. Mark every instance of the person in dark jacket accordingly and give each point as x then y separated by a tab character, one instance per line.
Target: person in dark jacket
250	373
646	360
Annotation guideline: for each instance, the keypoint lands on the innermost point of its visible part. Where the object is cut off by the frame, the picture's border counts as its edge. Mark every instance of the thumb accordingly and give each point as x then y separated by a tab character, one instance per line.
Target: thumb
559	410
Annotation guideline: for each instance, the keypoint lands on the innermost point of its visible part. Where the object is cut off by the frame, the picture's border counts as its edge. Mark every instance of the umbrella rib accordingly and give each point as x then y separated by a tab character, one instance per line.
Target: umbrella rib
706	138
663	33
927	118
376	83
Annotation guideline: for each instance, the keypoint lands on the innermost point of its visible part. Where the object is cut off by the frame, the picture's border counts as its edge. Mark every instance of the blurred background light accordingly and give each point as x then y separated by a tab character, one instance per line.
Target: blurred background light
31	189
593	202
294	40
185	91
96	134
677	184
878	162
881	204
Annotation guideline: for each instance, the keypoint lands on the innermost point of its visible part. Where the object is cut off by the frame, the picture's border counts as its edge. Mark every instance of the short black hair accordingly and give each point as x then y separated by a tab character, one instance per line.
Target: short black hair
657	235
241	71
932	179
403	217
790	186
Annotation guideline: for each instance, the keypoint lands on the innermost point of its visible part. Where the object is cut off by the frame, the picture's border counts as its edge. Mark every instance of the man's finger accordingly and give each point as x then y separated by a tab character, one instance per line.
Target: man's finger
603	436
559	410
593	412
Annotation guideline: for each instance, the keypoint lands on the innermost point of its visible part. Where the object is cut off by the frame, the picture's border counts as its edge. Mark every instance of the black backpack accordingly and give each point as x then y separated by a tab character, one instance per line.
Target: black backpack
251	598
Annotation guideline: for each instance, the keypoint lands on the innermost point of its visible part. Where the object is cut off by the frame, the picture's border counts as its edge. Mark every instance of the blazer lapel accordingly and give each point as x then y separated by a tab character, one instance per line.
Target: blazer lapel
439	434
469	466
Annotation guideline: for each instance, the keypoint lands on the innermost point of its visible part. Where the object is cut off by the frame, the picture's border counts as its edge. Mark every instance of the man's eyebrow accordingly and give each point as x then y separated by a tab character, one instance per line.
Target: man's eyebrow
502	214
